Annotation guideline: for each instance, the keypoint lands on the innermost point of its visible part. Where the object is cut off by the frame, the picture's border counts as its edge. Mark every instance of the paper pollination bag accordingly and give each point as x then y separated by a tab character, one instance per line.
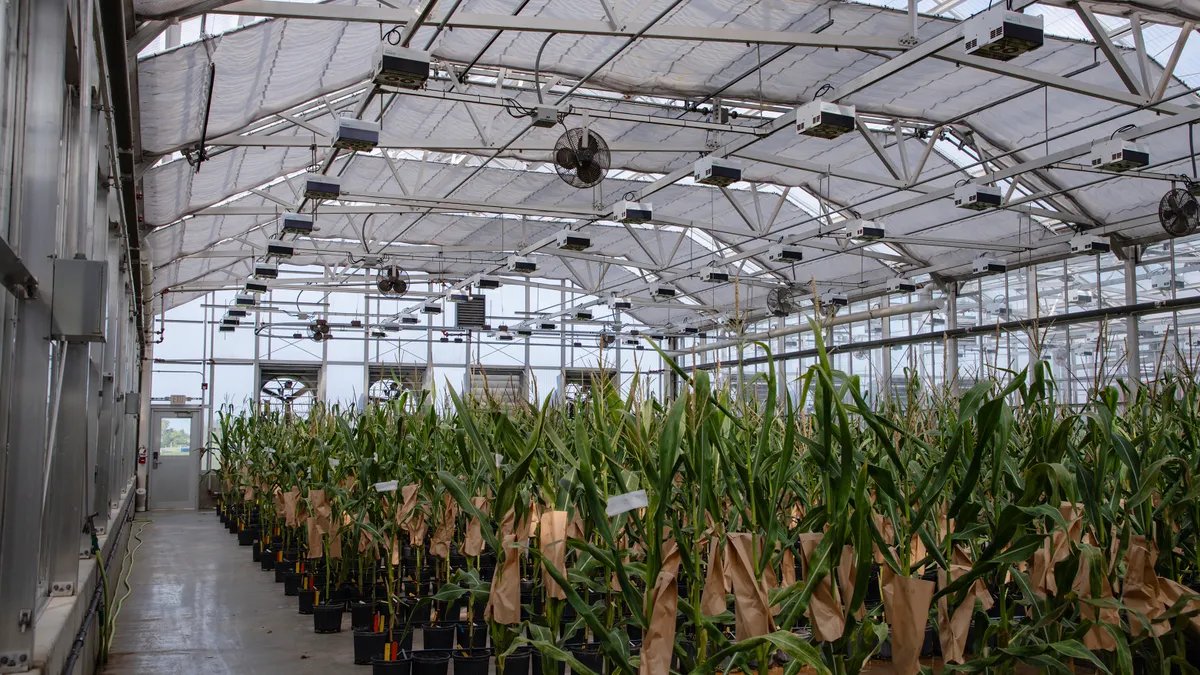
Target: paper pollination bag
906	604
318	521
408	502
290	500
504	601
473	542
439	544
659	643
824	610
553	539
1097	637
1055	549
954	628
752	613
712	598
1140	590
847	574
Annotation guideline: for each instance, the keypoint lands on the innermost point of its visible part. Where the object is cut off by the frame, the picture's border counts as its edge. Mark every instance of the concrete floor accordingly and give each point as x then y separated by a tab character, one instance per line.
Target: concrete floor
200	607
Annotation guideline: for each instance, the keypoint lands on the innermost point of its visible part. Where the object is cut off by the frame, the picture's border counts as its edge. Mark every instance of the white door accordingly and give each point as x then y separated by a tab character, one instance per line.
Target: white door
175	459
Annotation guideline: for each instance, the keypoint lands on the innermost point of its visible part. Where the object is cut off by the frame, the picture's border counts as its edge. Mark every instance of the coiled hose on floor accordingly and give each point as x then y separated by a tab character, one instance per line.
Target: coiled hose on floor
110	617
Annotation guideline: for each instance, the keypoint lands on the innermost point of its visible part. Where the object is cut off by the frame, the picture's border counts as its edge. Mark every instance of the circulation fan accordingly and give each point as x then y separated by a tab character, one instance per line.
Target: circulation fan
1179	213
605	339
581	157
781	303
391	281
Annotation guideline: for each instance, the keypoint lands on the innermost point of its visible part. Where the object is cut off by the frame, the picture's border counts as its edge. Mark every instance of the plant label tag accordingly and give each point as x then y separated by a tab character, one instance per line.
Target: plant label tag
629	501
499	459
333	463
270	451
387	486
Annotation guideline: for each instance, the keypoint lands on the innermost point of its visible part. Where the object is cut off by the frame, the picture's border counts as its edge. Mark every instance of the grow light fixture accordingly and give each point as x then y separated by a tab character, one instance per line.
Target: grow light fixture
237	312
1163	281
431	308
253	286
631	342
230	321
1003	35
582	315
402	67
901	285
865	230
226	329
780	253
487	284
297	223
459	296
356	135
519	264
691	330
378	334
716	171
1086	244
524	332
663	292
619	303
988	265
573	241
977	197
391	327
320	186
821	119
245	300
1119	155
547	326
714	275
576	344
409	320
266	270
634	212
280	248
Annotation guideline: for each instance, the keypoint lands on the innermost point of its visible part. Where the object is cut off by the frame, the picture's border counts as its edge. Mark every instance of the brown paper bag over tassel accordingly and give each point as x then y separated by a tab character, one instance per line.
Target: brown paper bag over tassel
1140	590
886	531
906	607
366	540
788	568
408	502
1055	549
1097	638
504	601
1171	593
290	498
279	506
659	643
318	521
395	550
953	629
712	599
752	614
552	534
473	542
439	544
335	540
575	527
847	574
417	529
824	612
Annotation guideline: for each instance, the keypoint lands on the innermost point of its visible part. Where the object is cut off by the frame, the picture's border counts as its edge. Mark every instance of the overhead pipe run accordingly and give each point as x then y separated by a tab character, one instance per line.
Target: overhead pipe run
880	313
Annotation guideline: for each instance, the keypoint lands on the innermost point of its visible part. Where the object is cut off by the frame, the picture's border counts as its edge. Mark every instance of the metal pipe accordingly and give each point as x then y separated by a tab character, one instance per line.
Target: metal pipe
1124	311
882	312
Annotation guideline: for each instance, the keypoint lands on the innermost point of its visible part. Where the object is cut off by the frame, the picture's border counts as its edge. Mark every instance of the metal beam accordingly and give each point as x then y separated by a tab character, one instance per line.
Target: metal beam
1105	43
1168	73
453	144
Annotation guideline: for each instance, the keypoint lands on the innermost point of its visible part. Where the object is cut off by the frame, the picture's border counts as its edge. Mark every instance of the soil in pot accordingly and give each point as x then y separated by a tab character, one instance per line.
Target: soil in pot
468	637
437	637
308	598
430	662
516	663
590	656
368	646
327	618
472	663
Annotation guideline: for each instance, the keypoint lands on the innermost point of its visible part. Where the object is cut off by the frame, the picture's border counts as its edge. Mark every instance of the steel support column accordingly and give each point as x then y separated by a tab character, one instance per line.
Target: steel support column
1133	353
951	344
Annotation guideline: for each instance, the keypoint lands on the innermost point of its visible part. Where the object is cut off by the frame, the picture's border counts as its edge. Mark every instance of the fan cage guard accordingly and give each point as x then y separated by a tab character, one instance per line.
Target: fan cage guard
581	157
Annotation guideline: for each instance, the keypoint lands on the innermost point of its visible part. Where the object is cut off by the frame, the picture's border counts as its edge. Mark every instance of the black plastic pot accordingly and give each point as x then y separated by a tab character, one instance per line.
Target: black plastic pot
368	646
327	618
362	615
535	663
472	663
401	666
931	647
291	583
590	656
281	570
517	663
256	553
307	598
438	637
267	560
248	536
430	662
467	638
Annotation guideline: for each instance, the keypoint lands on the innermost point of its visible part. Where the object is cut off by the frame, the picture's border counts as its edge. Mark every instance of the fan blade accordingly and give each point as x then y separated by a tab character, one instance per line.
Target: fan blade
591	173
565	157
300	393
593	141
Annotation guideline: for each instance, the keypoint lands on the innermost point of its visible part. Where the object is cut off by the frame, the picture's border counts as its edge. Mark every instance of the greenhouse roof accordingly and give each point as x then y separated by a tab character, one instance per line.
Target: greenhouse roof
458	184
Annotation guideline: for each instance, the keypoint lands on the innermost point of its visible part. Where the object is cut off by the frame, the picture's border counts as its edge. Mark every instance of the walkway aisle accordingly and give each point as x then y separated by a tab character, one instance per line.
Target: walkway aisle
200	607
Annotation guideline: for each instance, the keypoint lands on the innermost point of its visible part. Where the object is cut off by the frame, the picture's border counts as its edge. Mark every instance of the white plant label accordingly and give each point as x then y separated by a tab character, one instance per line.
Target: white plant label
387	486
499	459
618	504
333	463
270	451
